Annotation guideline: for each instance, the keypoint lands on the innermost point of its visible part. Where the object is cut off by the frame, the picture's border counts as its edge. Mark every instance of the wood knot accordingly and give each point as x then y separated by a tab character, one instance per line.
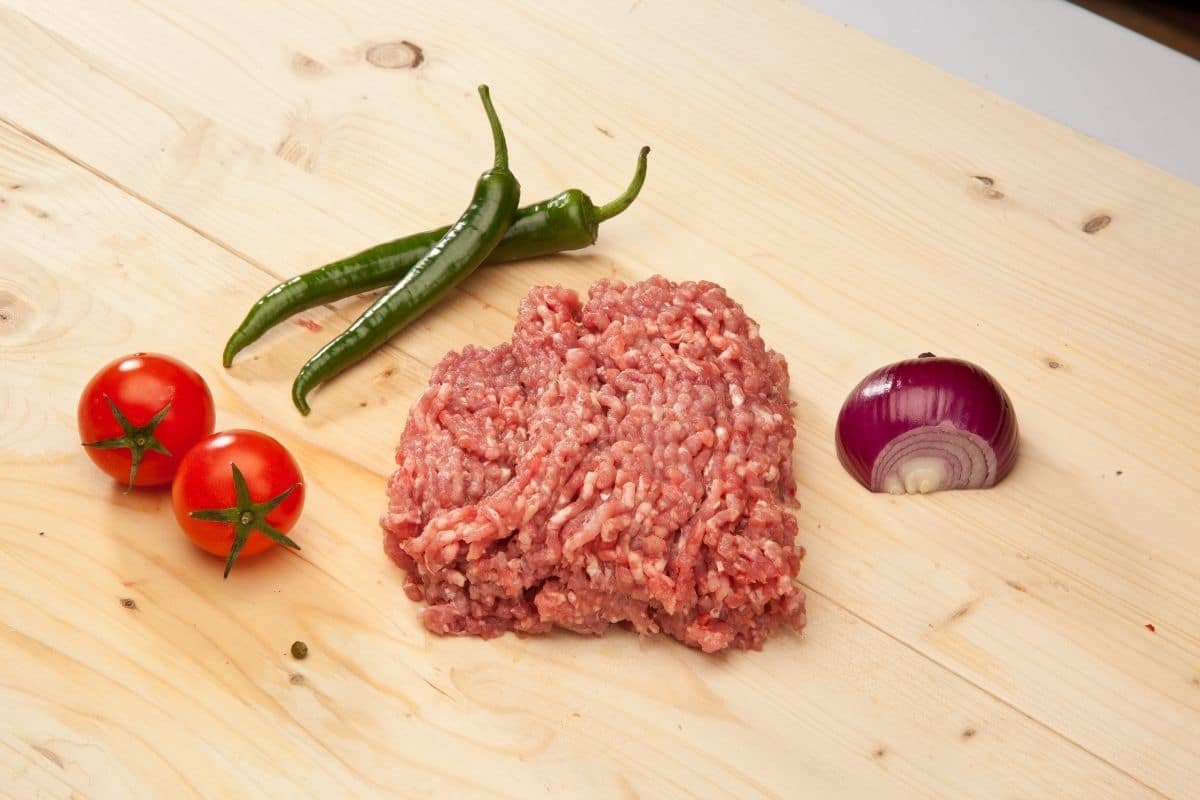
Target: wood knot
962	610
988	187
13	312
395	55
1097	223
129	602
1053	363
296	679
48	754
302	143
307	67
968	733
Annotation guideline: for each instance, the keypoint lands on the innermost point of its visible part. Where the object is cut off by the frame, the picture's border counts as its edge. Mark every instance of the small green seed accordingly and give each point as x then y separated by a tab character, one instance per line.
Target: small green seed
299	650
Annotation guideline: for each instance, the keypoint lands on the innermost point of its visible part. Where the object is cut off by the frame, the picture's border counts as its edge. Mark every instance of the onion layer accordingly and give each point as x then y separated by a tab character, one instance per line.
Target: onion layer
927	424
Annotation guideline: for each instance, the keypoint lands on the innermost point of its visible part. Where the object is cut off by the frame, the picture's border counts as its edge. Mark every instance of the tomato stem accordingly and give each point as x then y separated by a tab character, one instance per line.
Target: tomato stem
134	438
246	516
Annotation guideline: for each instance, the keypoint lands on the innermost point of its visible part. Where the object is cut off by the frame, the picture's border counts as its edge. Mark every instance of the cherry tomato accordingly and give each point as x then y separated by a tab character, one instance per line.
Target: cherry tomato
139	415
237	493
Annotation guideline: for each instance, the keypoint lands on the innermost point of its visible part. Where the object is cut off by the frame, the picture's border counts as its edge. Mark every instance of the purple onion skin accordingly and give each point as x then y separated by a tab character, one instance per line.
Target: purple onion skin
962	430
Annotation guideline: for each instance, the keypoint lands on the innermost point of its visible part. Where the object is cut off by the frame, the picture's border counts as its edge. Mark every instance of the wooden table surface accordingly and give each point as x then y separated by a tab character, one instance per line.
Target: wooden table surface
162	164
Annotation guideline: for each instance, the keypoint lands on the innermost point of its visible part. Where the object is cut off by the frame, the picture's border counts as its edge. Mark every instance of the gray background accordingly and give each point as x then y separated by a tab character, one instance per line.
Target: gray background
1057	59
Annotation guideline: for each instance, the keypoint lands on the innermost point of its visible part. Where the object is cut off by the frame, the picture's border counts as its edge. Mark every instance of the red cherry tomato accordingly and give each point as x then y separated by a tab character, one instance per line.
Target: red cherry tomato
225	519
139	415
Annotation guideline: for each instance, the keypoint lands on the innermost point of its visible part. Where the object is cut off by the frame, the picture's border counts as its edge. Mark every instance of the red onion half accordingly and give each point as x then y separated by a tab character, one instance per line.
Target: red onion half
927	424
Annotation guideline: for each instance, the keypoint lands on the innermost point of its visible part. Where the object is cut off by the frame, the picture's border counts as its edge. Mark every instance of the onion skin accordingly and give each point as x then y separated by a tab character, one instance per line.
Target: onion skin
927	424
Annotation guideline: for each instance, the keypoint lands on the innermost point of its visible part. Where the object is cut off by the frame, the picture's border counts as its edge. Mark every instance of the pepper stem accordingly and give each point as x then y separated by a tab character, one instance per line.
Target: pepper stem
497	131
622	202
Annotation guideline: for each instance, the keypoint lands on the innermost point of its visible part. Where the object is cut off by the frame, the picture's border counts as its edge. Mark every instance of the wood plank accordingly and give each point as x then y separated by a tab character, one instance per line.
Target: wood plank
851	167
131	669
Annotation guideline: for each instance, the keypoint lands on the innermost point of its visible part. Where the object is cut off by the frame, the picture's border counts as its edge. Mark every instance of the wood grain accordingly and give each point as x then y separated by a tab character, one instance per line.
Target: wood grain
834	186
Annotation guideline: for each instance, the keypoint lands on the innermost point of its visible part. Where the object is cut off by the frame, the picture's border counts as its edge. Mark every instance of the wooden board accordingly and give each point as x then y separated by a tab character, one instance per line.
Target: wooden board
162	165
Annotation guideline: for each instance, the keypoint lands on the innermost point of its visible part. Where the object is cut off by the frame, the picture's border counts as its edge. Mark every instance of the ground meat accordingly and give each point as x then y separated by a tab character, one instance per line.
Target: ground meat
624	461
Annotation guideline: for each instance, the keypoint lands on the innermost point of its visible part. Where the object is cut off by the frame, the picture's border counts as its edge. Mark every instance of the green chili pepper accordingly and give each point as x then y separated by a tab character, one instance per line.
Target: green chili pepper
453	257
568	221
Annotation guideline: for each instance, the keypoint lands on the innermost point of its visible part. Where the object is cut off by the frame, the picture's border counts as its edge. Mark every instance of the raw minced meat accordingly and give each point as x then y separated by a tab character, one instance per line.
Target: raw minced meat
627	460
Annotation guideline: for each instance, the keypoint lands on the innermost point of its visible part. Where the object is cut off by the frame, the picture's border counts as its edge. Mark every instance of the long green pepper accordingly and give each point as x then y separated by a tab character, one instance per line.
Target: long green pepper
567	221
451	259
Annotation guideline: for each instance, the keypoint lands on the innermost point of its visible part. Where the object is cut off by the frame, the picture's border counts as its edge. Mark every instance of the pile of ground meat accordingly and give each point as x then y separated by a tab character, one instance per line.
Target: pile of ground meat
627	460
